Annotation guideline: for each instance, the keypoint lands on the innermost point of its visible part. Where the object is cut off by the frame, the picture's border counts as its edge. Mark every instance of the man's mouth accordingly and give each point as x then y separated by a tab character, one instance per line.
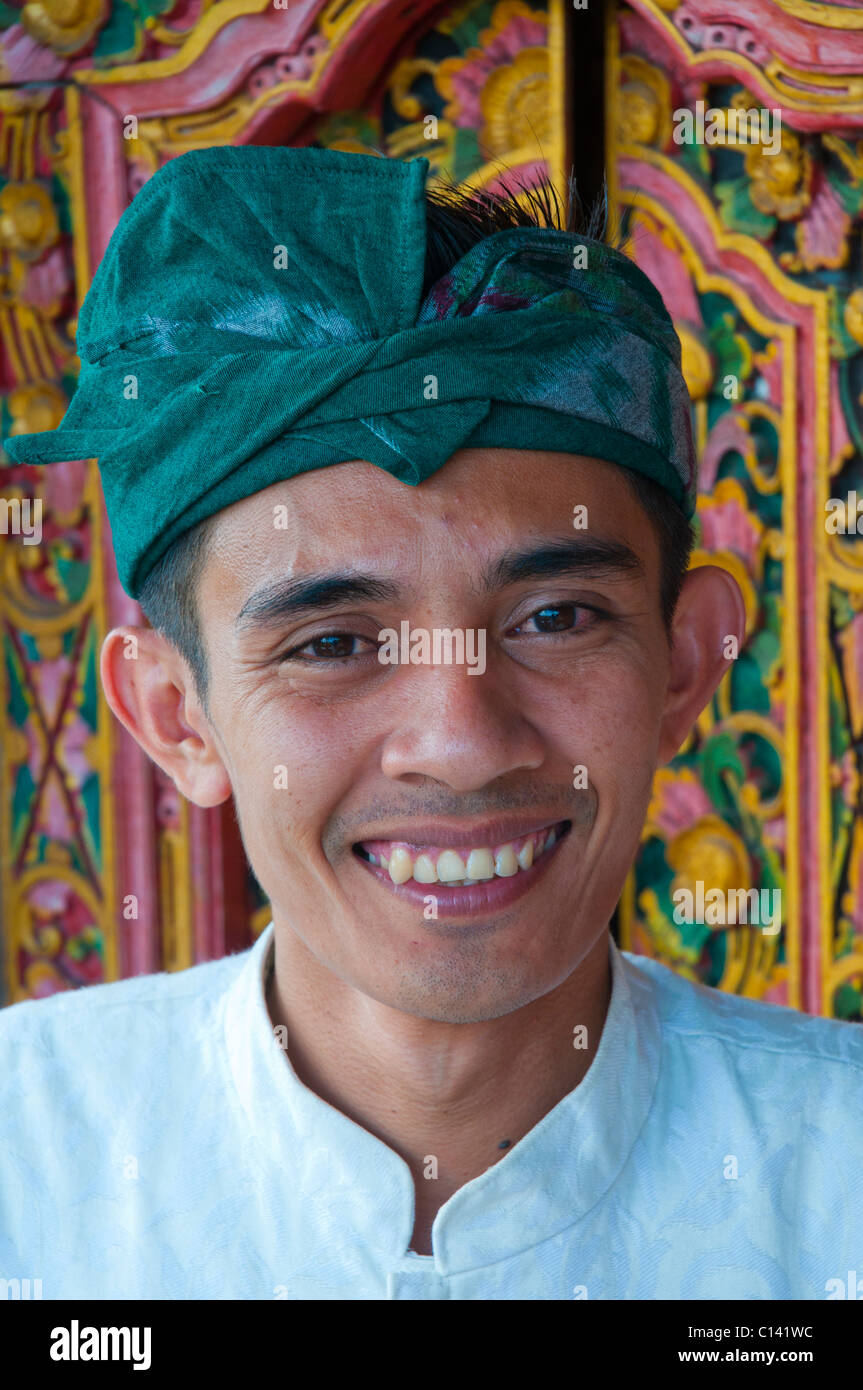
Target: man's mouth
464	866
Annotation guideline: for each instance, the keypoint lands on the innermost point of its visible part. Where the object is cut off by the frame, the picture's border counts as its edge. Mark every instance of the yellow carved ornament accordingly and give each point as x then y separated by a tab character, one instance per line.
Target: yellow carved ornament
644	103
779	183
36	407
64	25
853	315
712	853
28	219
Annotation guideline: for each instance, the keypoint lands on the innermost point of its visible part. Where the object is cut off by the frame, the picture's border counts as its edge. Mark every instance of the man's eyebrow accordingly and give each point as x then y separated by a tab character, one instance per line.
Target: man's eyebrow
286	598
586	557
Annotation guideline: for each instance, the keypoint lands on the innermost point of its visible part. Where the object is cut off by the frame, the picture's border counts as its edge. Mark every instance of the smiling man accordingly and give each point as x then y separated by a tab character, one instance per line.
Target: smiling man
329	409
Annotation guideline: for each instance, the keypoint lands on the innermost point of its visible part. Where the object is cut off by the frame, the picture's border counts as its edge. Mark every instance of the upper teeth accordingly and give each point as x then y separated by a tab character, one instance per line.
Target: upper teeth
449	866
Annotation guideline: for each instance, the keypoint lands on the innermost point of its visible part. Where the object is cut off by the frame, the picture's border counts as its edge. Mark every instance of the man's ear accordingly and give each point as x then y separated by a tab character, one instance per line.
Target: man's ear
710	612
151	690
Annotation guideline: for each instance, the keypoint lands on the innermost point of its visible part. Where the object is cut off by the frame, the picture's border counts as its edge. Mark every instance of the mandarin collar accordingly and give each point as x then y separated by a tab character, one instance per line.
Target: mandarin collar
355	1182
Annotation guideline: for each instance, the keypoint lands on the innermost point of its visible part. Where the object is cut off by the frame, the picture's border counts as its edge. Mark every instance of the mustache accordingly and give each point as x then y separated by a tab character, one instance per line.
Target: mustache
560	802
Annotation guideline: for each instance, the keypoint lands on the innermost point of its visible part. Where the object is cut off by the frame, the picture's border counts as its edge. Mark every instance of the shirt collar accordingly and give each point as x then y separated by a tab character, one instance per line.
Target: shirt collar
358	1185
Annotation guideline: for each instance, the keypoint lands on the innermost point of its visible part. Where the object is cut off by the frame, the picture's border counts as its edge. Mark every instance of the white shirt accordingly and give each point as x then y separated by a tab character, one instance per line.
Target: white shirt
156	1143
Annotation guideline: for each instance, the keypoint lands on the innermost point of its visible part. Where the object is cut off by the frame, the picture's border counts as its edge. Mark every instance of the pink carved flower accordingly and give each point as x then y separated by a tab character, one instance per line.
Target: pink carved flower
678	802
467	77
24	58
727	525
846	776
824	226
776	993
775	833
46	280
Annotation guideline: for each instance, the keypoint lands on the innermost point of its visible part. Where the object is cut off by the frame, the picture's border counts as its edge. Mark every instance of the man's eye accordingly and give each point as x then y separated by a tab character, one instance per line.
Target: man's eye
332	646
555	617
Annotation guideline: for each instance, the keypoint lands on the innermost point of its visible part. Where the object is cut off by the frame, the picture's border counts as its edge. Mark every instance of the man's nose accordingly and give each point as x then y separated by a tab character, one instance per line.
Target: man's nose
462	729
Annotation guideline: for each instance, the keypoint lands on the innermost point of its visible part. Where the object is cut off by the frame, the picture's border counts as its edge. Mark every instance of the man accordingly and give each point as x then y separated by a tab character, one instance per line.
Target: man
404	488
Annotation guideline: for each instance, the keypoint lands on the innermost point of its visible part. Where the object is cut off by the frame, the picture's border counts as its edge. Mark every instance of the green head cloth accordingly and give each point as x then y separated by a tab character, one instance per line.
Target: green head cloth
259	313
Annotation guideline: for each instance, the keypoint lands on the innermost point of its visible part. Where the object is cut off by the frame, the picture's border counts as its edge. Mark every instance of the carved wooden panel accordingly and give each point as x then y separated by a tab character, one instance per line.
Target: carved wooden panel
758	257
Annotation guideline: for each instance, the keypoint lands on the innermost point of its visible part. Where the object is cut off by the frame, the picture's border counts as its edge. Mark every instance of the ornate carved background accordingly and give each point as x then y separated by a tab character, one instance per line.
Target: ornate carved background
758	258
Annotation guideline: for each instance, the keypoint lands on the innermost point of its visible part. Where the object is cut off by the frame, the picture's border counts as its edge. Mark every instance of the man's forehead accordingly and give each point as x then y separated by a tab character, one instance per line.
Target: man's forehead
355	495
485	503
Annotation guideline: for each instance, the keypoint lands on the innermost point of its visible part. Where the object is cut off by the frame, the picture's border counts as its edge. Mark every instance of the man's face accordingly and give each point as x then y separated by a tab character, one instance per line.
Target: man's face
436	756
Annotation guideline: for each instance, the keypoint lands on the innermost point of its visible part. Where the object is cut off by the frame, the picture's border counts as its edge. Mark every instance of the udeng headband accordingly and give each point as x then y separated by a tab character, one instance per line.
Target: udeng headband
258	313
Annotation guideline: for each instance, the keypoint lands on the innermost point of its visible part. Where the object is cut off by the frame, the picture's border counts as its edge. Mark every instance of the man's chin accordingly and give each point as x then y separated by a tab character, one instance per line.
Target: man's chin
453	976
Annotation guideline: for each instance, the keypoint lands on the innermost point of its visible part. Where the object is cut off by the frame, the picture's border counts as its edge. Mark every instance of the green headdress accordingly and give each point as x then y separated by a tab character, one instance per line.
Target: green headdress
259	313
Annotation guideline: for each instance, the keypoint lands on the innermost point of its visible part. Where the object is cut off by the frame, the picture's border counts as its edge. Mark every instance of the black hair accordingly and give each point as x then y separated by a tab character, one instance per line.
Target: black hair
456	219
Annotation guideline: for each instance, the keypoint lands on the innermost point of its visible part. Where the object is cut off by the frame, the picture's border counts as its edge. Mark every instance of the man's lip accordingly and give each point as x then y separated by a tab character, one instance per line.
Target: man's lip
469	903
449	836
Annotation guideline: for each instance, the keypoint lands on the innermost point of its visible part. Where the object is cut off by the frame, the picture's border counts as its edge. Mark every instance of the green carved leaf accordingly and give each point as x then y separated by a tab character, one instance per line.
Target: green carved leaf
117	41
60	199
151	8
842	345
766	650
738	211
850	195
848	1002
468	25
719	756
728	347
696	160
348	125
467	156
90	685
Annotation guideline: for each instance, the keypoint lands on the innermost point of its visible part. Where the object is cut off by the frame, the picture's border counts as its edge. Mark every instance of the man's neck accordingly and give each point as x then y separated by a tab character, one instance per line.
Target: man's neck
450	1099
